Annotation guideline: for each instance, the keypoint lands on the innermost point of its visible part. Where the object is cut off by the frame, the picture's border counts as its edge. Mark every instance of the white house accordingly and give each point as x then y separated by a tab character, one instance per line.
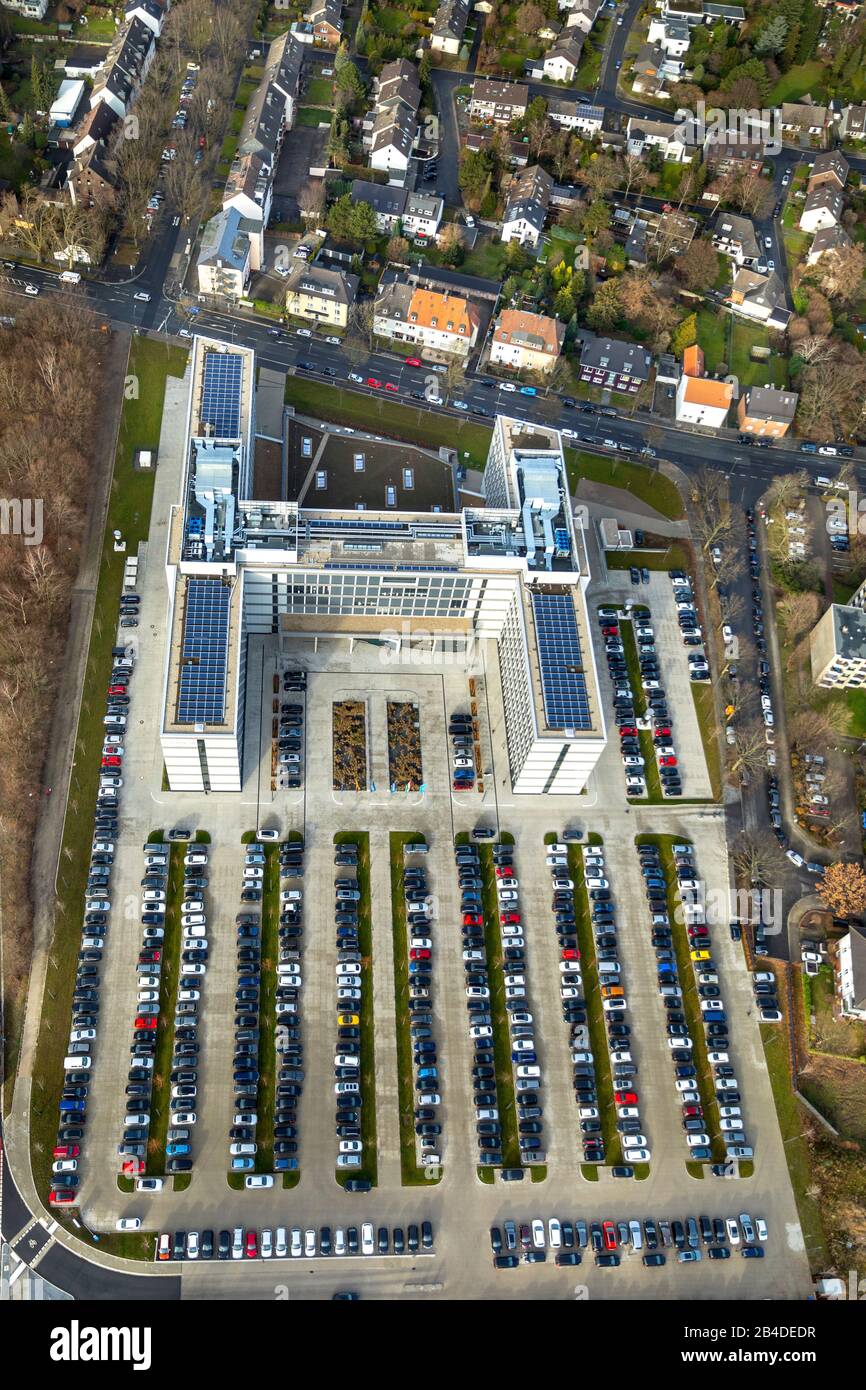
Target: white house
851	975
672	36
528	202
823	208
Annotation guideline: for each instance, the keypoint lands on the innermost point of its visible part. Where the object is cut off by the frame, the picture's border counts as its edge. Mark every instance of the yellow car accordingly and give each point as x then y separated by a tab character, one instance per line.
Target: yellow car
348	1020
701	955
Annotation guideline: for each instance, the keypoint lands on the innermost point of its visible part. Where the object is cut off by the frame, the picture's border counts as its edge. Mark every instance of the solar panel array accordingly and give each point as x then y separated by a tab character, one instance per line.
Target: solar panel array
221	394
566	702
204	653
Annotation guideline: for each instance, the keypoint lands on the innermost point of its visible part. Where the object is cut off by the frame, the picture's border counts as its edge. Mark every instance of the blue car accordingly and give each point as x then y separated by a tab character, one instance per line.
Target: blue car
175	1150
752	1252
528	391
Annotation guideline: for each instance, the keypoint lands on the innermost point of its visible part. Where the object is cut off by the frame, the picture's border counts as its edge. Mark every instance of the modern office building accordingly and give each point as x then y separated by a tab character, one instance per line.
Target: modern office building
326	536
838	647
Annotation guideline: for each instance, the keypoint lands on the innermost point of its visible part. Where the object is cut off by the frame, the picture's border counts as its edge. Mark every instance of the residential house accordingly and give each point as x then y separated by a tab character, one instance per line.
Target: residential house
614	364
98	127
837	648
526	342
826	240
391	127
386	201
766	412
326	20
449	26
28	9
728	14
272	106
736	238
693	12
850	975
743	156
761	297
805	122
83	60
653	69
224	259
92	182
823	207
576	115
528	203
561	62
422	214
853	123
667	136
498	102
518	150
830	168
127	64
320	296
580	14
442	322
249	189
672	36
67	104
701	400
150	12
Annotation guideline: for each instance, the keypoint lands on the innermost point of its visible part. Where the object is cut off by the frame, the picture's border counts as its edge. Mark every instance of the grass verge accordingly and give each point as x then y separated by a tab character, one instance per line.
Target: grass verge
705	709
652	487
370	1168
410	1173
594	1012
688	984
129	509
382	416
795	1146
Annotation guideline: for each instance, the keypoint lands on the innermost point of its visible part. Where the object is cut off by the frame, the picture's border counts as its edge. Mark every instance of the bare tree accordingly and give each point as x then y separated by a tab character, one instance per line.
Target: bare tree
709	498
757	857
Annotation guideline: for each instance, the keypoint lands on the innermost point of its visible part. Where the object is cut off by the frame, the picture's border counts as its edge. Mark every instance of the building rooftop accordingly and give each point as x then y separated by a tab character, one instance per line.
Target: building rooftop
766	403
535	331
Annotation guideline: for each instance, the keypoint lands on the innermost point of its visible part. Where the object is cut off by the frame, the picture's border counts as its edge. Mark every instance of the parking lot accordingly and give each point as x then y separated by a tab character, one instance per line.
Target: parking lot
461	1207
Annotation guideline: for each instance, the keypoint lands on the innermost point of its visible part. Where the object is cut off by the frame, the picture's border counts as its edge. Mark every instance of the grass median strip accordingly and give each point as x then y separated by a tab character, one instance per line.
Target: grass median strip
594	1012
411	1174
370	1166
270	947
168	978
498	1012
688	985
130	501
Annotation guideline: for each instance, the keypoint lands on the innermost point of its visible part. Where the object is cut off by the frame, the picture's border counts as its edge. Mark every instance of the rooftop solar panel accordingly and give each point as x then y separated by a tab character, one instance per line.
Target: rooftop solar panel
221	394
204	653
563	687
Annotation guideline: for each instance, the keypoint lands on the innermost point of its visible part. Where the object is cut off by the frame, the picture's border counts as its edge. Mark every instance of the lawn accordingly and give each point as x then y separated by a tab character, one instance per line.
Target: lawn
381	416
804	79
313	116
411	1174
790	1116
319	91
705	709
501	1032
773	370
646	483
713	337
130	502
370	1168
486	259
676	557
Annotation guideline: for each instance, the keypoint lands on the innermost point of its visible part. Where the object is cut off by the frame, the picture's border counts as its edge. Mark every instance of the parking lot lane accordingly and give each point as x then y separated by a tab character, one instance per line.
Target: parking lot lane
677	684
318	1003
386	1099
214	1102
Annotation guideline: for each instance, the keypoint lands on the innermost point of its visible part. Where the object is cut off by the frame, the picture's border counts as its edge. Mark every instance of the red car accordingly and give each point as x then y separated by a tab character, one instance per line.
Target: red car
148	1023
371	381
132	1167
511	919
67	1151
628	731
472	919
389	386
690	1110
112	762
608	1230
625	1097
62	1197
252	1245
571	954
696	932
413	361
610	632
117	690
667	761
461	786
420	953
504	871
149	957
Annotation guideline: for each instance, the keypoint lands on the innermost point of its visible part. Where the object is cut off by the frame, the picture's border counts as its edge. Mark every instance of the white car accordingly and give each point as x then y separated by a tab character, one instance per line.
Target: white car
733	1230
367	1245
727	632
143	296
636	1155
303	332
149	1184
538	1234
296	1246
281	1247
795	858
507	386
309	1243
554	1233
761	1228
31	289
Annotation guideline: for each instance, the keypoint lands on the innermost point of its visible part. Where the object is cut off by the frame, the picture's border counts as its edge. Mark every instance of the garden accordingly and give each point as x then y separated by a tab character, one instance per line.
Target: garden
349	745
404	746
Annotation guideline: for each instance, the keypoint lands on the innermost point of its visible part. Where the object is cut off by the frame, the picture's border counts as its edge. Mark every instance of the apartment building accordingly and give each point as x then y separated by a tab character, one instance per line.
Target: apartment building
526	342
837	648
441	321
320	295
